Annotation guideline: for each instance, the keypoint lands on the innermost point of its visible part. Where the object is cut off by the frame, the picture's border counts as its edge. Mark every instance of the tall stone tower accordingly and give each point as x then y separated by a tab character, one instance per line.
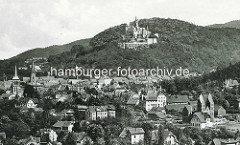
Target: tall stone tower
16	82
136	23
33	74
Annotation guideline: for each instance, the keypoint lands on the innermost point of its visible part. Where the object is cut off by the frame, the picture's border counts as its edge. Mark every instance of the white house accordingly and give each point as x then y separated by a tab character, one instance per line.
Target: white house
31	104
154	99
27	102
170	138
136	134
104	82
50	133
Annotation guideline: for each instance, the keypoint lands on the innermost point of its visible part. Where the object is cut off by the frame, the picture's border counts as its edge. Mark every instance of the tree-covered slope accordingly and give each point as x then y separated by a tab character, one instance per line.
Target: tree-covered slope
232	24
180	44
51	50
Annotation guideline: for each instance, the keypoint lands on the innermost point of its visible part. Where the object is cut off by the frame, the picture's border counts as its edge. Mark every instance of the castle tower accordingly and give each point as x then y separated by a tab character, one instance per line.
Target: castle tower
16	82
33	74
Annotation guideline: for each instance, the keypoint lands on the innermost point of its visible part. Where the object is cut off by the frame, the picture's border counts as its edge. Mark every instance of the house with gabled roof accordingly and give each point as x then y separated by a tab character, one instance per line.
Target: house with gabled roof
188	111
63	126
170	138
219	111
154	98
133	100
201	120
230	83
48	135
135	134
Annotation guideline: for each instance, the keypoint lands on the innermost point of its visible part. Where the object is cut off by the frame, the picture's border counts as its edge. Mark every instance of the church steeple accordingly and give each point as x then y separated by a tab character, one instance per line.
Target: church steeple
16	81
136	22
15	77
33	74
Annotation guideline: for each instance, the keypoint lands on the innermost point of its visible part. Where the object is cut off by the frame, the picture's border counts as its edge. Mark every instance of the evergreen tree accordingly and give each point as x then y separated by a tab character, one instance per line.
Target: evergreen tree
161	135
70	140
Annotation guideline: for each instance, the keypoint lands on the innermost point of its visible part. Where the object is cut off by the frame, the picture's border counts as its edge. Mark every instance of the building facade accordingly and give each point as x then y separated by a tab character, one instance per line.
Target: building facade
100	112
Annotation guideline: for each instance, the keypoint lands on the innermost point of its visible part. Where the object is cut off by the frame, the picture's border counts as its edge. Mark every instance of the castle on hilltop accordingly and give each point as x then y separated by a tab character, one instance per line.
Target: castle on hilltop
136	37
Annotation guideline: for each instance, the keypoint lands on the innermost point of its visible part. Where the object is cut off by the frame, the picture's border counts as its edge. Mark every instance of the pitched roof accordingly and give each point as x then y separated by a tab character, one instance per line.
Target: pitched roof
151	95
217	107
62	124
6	95
158	109
202	116
168	133
131	131
29	139
175	107
192	102
189	108
101	108
157	114
82	107
132	101
177	99
136	131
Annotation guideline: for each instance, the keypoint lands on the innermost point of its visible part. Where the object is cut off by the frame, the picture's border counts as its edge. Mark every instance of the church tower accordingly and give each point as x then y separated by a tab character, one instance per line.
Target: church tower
16	82
206	104
211	105
201	104
33	74
136	23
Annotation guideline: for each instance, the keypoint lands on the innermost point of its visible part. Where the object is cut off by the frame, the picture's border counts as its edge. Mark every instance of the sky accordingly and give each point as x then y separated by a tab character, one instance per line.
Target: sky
28	24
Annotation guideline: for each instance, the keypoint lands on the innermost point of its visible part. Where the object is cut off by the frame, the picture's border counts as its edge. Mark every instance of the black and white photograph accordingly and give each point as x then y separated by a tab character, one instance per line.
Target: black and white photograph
119	72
